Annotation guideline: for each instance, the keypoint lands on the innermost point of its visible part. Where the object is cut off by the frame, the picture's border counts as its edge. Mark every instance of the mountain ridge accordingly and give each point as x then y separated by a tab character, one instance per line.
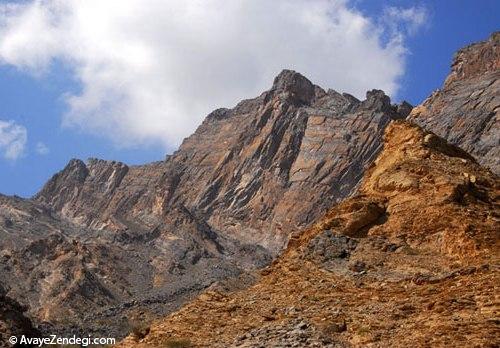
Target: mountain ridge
211	163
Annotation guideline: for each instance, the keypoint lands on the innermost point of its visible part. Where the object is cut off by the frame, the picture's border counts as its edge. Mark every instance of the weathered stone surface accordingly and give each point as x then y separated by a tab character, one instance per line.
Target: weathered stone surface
104	244
466	111
77	280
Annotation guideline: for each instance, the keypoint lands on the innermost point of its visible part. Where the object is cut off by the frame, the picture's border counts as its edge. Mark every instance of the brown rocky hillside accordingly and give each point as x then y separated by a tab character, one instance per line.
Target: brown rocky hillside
411	260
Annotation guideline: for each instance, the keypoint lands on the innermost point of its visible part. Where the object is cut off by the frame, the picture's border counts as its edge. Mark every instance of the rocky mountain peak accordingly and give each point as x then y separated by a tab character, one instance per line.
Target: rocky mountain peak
404	108
294	85
377	99
249	166
67	186
465	111
217	114
76	168
73	175
476	59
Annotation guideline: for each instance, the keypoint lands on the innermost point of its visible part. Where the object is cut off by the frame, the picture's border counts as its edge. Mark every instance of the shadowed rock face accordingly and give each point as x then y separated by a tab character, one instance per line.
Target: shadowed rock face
74	279
104	244
466	110
12	320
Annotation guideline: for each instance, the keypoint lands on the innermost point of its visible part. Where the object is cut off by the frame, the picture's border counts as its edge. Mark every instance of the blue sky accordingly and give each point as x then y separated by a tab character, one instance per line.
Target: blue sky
37	81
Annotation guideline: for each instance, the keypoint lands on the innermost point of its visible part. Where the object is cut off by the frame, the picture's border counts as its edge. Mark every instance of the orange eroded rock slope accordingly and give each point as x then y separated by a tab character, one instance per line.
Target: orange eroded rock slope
410	261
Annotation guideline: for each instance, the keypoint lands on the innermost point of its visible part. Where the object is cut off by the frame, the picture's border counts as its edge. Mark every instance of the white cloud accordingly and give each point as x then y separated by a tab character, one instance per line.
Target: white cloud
13	139
402	22
150	70
42	149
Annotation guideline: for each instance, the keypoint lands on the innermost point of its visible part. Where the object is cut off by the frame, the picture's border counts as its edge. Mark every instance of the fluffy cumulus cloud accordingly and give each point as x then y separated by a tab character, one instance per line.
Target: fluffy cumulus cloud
150	70
13	139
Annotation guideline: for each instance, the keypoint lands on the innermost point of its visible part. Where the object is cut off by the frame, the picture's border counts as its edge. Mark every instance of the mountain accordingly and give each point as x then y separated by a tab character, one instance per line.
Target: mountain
466	110
75	279
104	245
245	171
410	260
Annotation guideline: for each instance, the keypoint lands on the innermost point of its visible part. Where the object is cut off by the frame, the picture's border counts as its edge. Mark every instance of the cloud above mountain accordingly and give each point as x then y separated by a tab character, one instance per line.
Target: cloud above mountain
150	70
13	138
41	148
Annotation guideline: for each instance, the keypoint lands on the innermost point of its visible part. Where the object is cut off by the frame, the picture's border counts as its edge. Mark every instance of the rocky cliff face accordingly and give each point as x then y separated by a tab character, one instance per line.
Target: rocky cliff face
409	261
245	171
466	110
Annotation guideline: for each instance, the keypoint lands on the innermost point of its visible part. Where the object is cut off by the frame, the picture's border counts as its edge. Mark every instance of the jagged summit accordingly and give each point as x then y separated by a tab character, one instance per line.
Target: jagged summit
293	139
75	172
296	85
476	59
289	79
302	90
225	202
